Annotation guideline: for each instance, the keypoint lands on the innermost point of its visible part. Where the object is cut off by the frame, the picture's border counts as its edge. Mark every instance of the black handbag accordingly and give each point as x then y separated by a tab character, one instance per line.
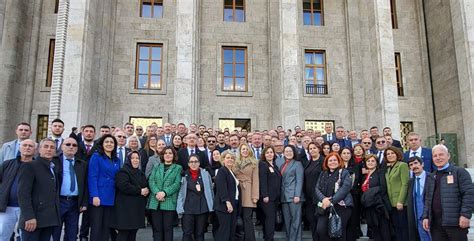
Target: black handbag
334	224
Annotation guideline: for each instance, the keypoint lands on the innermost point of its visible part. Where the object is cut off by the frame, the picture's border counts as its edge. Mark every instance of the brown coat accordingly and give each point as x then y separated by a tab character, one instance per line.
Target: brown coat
249	184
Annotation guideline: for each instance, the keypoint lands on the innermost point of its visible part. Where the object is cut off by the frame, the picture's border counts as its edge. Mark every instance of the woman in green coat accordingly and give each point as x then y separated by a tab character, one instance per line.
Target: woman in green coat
397	176
164	182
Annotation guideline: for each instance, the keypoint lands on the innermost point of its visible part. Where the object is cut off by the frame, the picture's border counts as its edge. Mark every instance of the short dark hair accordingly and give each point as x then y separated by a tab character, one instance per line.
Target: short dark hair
100	145
175	157
23	124
57	120
104	127
89	126
374	127
414	159
385	128
262	156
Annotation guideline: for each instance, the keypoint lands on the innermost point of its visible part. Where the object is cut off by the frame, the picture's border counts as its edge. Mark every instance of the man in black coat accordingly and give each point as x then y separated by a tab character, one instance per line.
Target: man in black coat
9	175
73	197
449	199
38	195
184	153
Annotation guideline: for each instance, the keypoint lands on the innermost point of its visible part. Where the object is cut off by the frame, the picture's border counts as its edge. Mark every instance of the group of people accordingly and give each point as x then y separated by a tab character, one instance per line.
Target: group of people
297	178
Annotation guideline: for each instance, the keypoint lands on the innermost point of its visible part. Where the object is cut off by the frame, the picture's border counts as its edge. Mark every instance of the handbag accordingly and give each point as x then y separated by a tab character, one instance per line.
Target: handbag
334	224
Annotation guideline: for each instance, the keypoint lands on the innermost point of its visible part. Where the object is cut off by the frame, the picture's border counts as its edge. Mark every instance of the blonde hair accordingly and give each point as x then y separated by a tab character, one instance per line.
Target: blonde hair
242	162
224	154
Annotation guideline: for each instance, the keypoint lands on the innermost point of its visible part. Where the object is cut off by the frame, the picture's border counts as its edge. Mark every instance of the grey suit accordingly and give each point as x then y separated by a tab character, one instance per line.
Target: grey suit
279	160
8	151
170	143
292	186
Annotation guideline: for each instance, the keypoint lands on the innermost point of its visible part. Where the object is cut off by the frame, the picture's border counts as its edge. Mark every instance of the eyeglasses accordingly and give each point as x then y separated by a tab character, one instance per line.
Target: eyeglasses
70	144
121	136
139	129
193	162
380	142
211	141
367	143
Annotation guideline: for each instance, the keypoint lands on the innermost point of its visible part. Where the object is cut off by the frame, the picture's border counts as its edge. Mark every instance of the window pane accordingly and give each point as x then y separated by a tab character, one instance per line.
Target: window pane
309	74
143	67
155	82
239	15
156	67
146	10
228	2
156	53
240	70
306	18
308	58
240	56
144	52
317	18
228	56
158	11
306	4
319	58
228	15
240	84
317	4
239	3
320	74
142	81
228	84
228	71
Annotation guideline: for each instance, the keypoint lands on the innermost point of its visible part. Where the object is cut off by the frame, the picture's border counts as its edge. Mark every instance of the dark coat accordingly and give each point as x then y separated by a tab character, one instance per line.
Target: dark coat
426	156
270	182
129	209
225	190
8	171
412	222
82	150
312	172
38	194
374	201
183	158
325	187
80	168
457	199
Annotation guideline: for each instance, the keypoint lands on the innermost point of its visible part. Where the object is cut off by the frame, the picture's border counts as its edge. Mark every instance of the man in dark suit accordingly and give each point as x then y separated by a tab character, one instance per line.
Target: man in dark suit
10	150
73	192
256	144
329	136
184	153
387	131
414	142
167	134
122	151
416	200
86	145
57	129
38	195
340	138
353	138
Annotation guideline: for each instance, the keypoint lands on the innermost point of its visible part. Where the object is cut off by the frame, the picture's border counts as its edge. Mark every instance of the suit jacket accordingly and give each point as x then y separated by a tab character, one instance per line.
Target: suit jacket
80	169
101	178
8	151
426	156
292	182
412	222
183	158
397	178
164	139
279	160
325	137
303	158
38	193
397	143
82	151
127	151
226	189
343	143
270	182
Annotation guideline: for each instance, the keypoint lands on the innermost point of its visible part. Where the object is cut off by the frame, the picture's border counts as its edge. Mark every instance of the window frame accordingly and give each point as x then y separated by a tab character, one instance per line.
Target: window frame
56	6
150	61
50	65
312	11
315	67
234	7
152	13
399	74
234	48
393	14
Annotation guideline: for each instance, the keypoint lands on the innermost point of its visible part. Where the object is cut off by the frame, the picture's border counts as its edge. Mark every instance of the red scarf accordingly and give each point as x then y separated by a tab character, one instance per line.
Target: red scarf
357	160
194	174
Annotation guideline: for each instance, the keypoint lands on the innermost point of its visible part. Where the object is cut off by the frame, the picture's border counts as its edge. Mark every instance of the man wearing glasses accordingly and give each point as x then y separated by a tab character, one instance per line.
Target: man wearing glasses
122	151
414	142
380	145
72	194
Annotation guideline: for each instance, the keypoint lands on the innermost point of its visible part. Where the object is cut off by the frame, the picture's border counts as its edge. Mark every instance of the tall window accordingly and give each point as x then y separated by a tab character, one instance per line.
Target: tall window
49	76
56	6
234	70
393	11
405	128
313	12
42	127
398	70
315	72
234	10
151	8
318	125
148	66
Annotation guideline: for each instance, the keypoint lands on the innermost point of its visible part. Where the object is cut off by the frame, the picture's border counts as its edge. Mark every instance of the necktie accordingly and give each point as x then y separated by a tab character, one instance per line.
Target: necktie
380	156
417	188
120	154
257	151
88	148
192	151
51	168
72	175
329	137
413	153
167	140
57	144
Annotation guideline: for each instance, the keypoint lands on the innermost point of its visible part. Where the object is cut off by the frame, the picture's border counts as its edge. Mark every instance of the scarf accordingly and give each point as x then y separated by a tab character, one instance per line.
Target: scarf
194	174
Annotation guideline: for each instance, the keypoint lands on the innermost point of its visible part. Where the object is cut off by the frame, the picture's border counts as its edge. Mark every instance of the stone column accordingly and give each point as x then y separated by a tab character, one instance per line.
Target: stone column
290	68
186	86
462	14
384	110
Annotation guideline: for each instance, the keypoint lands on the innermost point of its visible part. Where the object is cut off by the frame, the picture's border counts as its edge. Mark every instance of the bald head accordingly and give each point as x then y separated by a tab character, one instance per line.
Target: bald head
27	149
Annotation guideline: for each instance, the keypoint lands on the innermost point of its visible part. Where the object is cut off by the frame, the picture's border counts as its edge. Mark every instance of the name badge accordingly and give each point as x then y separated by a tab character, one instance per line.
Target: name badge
198	187
271	169
450	179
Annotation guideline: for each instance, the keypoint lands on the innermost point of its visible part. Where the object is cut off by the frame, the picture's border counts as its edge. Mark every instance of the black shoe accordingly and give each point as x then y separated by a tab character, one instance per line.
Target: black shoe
258	223
84	239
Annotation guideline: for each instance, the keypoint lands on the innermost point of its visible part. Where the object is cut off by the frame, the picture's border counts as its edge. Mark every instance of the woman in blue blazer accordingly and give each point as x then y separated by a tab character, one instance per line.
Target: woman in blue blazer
103	166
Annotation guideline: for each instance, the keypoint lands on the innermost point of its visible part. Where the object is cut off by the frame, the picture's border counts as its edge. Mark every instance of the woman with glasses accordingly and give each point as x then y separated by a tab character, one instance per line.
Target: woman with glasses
164	182
397	177
195	200
133	143
246	171
103	166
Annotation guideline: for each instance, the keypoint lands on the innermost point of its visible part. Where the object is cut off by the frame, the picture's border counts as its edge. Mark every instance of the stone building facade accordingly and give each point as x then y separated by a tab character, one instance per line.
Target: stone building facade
96	54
